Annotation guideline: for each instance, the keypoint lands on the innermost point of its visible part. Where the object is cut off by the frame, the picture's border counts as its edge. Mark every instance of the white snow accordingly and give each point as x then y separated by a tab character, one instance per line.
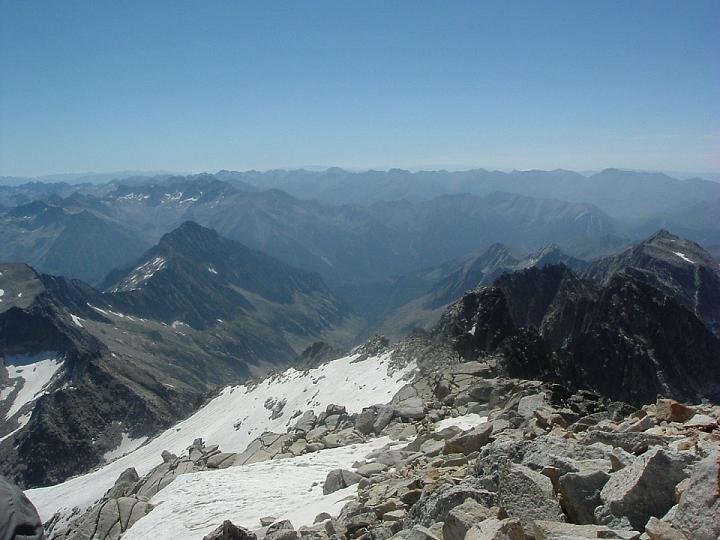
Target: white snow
141	274
2	292
21	420
126	446
212	270
464	422
343	382
473	330
77	320
683	257
196	503
35	370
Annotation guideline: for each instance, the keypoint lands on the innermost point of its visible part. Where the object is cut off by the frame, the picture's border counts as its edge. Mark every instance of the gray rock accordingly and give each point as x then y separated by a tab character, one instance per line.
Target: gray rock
642	490
229	531
281	530
529	404
339	479
343	438
527	495
124	485
659	530
460	519
635	443
365	420
411	408
581	494
222	460
469	441
418	532
698	511
385	414
306	422
553	530
435	506
497	529
371	469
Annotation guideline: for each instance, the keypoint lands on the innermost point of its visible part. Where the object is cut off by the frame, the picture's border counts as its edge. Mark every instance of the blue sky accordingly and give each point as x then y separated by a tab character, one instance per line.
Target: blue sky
191	86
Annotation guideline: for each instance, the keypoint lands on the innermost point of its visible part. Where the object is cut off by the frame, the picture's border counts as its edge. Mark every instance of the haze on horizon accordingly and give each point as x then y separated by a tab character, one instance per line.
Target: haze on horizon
190	86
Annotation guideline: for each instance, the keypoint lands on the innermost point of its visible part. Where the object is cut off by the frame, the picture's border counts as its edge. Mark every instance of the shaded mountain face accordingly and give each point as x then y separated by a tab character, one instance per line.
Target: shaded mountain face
627	332
196	276
78	243
417	300
85	368
680	268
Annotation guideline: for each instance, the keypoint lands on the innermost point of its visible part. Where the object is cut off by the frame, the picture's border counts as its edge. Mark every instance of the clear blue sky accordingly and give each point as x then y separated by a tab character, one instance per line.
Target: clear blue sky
190	86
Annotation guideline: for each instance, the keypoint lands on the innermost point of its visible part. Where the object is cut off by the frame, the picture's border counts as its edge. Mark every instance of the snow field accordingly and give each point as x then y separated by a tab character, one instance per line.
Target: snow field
343	382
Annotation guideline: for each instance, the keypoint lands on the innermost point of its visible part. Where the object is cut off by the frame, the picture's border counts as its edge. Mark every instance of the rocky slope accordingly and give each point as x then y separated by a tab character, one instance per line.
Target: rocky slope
83	371
460	452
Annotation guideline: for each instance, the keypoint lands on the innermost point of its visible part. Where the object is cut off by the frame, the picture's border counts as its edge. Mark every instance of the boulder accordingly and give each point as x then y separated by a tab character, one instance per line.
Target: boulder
497	529
553	530
385	414
659	530
124	485
581	494
642	490
281	530
371	469
229	531
418	532
460	519
469	441
411	408
365	420
702	422
669	410
698	511
436	506
635	443
222	460
339	479
527	495
529	404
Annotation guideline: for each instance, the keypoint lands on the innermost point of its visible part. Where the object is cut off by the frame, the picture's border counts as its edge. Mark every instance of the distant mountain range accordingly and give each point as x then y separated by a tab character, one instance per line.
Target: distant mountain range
353	227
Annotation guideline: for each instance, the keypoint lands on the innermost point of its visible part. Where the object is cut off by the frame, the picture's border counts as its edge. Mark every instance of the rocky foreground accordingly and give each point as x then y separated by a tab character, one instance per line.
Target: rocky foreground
538	461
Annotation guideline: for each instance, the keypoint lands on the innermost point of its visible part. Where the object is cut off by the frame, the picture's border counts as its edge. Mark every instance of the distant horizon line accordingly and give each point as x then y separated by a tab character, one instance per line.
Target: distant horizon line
123	174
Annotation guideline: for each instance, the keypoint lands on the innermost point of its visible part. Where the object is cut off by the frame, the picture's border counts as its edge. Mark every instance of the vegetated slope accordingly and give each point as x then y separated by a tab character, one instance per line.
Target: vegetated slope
630	333
133	361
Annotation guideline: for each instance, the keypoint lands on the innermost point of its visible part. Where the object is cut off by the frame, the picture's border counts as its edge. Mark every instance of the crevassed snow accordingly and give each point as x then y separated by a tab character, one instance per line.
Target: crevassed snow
196	503
127	445
464	422
77	320
683	257
35	370
343	382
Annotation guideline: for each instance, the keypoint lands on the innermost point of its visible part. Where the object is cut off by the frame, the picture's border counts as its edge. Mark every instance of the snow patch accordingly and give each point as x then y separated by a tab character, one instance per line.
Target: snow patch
36	371
77	320
465	422
127	445
196	503
354	384
683	257
141	274
212	270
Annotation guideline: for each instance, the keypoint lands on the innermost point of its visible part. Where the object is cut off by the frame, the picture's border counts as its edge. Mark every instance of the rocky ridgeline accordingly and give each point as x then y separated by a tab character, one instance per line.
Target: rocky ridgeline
546	463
